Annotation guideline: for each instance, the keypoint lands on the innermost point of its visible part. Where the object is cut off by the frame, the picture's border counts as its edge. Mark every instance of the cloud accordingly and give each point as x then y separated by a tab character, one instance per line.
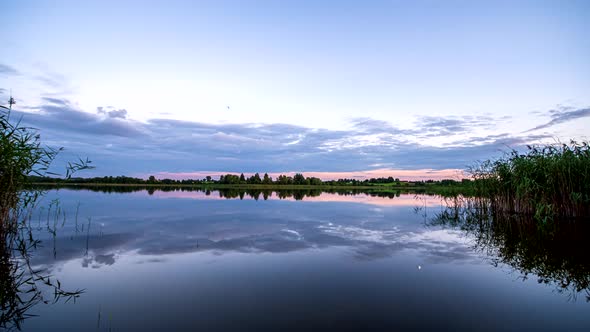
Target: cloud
59	115
430	126
55	101
8	70
111	112
562	115
371	126
119	145
51	79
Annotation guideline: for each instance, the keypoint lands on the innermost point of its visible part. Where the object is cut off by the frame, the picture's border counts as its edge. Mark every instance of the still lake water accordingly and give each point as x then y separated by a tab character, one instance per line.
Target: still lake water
177	260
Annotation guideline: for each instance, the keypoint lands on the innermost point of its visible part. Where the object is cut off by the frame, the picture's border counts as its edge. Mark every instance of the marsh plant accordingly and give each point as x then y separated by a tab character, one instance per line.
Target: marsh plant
21	285
545	181
555	253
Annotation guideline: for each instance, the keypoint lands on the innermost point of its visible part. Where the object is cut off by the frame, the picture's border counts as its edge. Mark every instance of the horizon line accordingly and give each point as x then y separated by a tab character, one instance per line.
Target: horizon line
402	174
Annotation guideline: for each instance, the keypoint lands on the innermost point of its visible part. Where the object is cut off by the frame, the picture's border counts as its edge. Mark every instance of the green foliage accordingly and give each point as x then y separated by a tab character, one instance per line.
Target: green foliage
255	179
547	181
22	156
299	179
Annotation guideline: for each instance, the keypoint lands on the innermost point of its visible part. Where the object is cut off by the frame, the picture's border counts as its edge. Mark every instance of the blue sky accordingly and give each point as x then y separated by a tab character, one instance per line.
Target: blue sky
315	86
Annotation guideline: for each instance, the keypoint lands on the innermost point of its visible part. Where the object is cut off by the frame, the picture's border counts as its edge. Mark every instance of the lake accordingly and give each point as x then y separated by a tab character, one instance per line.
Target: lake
232	261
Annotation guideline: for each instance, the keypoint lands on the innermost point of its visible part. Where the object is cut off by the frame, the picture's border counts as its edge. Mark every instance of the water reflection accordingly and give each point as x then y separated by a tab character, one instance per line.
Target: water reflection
237	192
267	250
554	252
368	196
24	285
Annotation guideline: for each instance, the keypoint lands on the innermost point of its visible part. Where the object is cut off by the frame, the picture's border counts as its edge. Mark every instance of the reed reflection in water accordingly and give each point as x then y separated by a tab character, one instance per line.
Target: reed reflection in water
554	251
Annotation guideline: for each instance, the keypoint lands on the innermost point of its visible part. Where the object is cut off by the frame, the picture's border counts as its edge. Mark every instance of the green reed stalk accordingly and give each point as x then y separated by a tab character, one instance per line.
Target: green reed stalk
546	181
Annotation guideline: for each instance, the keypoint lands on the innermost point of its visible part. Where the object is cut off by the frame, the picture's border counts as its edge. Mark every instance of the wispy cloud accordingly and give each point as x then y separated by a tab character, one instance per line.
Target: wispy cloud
8	70
562	115
431	126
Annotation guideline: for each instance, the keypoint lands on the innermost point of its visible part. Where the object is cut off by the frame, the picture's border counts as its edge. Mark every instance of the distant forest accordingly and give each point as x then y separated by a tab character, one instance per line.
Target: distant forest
256	179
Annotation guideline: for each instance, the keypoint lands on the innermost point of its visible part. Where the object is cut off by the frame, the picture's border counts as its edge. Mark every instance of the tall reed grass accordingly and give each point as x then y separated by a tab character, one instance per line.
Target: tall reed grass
21	285
545	181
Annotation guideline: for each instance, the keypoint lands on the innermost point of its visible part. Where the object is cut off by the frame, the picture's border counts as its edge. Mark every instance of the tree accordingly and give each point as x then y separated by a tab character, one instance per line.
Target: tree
315	181
299	179
152	179
267	179
208	178
283	179
255	179
242	178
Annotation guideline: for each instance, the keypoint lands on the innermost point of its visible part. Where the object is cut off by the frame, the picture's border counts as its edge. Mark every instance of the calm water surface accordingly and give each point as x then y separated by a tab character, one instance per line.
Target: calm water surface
190	261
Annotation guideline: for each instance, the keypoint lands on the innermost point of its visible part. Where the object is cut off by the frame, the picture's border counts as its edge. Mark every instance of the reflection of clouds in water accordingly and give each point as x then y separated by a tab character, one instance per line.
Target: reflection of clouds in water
100	247
437	236
435	246
151	260
361	234
440	246
367	241
295	233
97	261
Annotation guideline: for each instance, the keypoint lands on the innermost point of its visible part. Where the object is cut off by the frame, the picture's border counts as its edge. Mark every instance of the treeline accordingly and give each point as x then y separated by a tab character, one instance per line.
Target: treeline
256	179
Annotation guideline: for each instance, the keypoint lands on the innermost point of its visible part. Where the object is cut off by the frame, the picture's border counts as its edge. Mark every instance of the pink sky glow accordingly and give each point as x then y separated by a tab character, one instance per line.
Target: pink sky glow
408	175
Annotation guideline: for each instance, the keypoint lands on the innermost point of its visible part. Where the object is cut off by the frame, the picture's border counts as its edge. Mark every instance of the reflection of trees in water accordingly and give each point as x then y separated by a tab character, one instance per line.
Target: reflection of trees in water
23	285
254	193
556	252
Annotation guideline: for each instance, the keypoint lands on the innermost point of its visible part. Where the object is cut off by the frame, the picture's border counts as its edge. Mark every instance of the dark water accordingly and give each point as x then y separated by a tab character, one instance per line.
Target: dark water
176	260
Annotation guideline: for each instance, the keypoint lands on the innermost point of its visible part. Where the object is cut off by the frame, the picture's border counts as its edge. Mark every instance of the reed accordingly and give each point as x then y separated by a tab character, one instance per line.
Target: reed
545	181
21	285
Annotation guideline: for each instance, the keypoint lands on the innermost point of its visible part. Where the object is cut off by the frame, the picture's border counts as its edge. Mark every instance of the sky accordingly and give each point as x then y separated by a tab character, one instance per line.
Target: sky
180	89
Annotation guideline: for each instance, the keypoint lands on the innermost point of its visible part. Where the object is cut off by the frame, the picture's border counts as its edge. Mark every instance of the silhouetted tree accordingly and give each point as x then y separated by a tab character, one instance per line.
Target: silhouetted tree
299	179
255	179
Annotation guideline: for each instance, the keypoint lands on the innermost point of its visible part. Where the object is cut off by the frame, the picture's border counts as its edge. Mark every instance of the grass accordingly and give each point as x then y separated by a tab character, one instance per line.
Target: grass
22	286
546	181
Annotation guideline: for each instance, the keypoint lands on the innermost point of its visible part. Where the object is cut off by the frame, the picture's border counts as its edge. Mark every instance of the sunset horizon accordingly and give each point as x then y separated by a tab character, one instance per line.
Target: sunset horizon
304	87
